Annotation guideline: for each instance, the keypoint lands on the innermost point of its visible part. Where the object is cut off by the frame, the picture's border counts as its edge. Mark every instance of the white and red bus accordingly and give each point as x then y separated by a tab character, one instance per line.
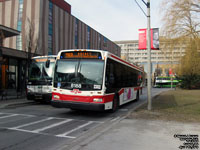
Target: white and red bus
39	86
94	80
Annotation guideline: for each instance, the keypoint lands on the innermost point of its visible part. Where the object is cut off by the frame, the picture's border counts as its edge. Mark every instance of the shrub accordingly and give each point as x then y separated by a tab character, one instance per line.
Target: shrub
190	81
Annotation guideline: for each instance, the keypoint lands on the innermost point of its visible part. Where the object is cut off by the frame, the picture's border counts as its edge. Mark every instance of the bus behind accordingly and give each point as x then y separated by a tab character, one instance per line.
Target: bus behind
39	86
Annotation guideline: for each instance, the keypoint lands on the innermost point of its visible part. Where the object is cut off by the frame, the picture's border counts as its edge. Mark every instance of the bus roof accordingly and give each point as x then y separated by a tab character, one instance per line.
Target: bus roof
46	56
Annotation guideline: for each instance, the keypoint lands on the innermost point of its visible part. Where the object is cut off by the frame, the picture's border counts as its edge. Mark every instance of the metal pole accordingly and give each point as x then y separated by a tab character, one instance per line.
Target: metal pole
149	56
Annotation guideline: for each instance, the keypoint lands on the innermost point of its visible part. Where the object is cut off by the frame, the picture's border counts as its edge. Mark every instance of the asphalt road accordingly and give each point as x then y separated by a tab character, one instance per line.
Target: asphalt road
40	126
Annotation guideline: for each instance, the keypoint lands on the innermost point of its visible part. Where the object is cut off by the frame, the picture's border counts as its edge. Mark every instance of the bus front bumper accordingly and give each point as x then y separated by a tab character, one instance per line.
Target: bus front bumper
78	105
39	96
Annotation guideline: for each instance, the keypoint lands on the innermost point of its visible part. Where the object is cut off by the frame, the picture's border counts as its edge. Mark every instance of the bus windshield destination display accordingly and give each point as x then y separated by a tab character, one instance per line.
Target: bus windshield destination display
80	54
41	60
44	59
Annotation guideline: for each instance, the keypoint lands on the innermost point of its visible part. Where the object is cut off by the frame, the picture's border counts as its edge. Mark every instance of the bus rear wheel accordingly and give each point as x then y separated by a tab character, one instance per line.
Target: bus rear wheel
138	96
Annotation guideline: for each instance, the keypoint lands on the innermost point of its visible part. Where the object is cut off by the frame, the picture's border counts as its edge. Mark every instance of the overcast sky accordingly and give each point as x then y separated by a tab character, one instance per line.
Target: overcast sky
116	19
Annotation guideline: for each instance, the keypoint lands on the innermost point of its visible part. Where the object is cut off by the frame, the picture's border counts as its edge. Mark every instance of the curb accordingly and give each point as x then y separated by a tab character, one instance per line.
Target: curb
15	104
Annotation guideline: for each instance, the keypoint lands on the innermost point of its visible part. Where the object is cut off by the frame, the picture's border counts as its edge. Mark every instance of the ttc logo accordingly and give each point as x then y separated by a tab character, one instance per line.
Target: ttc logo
76	91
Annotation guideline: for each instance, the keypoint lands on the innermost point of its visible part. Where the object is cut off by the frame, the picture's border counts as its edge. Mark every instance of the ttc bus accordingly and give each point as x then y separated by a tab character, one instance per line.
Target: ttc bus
39	86
94	80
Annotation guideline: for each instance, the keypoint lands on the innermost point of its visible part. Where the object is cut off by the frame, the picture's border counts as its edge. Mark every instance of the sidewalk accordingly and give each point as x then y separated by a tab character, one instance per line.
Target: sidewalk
136	134
14	102
12	99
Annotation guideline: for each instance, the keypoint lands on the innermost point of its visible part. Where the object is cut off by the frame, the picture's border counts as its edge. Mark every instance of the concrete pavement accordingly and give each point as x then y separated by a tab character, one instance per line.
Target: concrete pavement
140	134
134	134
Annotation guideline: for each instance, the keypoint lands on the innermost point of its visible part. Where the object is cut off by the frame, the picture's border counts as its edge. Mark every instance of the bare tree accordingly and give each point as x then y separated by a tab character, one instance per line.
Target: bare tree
182	23
190	63
181	18
31	41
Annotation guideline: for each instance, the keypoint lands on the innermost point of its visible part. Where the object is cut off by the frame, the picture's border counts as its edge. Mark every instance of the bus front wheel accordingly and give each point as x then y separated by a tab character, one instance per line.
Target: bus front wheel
115	104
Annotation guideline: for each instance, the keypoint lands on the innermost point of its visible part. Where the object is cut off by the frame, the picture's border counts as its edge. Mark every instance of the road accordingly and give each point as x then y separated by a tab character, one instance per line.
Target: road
40	126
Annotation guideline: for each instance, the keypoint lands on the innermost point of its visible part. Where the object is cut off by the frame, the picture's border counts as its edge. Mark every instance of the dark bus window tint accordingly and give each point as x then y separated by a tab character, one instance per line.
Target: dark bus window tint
122	75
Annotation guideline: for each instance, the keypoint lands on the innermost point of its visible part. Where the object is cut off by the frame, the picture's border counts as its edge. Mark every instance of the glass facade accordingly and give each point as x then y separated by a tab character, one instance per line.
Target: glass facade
99	42
88	37
50	29
12	74
19	25
105	43
76	33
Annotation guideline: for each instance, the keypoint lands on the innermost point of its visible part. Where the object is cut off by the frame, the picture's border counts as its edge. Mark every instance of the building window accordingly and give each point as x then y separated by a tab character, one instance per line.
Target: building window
19	25
99	41
105	42
88	37
50	29
76	33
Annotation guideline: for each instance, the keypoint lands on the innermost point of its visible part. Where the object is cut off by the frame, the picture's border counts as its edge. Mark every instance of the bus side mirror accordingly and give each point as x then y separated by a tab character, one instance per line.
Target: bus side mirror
47	63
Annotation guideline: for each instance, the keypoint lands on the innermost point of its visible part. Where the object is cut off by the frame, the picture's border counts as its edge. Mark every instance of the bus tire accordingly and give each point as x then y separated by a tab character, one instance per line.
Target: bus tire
138	96
115	104
29	97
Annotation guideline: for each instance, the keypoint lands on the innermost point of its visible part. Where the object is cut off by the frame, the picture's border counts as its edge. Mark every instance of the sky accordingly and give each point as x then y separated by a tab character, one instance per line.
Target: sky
116	19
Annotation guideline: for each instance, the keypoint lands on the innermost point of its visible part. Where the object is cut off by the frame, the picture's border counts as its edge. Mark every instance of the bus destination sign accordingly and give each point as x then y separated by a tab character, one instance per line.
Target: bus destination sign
81	54
44	59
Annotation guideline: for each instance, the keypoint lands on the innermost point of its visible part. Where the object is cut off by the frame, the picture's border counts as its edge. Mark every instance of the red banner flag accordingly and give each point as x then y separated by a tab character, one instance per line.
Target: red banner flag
143	39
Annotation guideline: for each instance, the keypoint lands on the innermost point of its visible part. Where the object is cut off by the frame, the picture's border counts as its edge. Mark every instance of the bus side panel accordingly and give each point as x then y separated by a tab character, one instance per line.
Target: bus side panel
127	94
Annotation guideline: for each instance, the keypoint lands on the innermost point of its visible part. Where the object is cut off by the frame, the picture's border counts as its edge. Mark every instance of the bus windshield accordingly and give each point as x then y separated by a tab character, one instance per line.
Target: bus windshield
39	71
84	74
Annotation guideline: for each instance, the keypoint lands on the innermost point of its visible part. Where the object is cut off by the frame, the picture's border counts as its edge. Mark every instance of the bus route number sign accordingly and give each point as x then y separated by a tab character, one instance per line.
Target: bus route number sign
80	54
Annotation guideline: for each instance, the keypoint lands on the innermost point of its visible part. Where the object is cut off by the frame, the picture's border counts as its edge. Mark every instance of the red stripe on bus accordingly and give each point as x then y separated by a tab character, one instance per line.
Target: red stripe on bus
127	63
137	88
121	92
85	99
108	98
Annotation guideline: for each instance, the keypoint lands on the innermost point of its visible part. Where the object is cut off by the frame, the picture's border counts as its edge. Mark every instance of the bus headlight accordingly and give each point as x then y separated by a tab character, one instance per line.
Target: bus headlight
29	90
97	100
56	97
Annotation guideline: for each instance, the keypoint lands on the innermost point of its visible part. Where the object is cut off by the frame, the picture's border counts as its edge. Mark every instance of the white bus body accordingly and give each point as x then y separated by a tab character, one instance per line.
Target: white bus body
94	80
39	86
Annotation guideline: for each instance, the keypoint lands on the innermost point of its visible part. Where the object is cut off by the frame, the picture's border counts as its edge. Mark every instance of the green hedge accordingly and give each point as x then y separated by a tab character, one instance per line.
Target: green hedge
190	81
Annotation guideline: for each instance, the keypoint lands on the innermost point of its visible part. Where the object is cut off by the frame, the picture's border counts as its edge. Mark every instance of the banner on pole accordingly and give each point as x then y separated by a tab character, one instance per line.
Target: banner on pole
142	45
142	39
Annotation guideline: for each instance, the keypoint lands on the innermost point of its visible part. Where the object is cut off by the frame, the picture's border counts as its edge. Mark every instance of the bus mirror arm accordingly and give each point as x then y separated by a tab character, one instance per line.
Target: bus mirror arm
47	63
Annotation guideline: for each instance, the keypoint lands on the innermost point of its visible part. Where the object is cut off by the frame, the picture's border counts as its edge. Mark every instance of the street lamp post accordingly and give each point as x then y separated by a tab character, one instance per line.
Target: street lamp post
149	74
149	107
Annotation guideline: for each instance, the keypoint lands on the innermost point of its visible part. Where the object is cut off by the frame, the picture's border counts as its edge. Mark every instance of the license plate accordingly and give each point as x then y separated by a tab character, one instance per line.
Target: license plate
40	89
76	86
38	96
